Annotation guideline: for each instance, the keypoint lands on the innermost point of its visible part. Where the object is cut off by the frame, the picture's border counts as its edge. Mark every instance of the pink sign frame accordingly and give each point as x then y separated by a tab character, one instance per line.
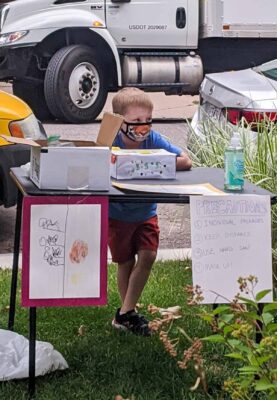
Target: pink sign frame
28	202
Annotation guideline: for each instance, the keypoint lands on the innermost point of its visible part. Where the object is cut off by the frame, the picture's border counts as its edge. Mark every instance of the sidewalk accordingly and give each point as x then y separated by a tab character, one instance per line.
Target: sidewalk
6	260
173	106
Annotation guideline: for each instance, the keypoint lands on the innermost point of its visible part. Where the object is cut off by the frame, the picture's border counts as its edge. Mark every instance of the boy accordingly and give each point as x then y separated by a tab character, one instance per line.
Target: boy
133	227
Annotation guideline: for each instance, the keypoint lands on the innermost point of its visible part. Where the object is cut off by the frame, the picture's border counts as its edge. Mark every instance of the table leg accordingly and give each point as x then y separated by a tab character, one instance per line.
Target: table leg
32	352
259	327
16	249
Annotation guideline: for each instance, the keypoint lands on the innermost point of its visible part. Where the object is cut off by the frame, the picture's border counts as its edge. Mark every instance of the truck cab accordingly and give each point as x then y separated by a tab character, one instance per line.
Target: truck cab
64	56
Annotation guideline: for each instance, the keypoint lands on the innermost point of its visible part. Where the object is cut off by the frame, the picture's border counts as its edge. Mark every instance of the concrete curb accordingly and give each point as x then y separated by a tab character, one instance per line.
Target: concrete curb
6	260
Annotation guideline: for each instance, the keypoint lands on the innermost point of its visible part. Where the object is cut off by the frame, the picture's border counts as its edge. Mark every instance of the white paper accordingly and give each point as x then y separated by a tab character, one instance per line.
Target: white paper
65	251
197	189
231	238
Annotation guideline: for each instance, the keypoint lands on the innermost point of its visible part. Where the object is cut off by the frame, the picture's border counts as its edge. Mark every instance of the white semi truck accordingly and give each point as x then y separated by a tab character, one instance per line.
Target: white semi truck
64	56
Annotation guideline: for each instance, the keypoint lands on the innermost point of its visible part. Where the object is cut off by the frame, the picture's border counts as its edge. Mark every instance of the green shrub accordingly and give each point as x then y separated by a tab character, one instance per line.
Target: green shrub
242	330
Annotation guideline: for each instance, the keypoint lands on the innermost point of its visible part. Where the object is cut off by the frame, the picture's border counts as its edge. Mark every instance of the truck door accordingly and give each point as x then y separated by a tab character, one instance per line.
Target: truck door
149	23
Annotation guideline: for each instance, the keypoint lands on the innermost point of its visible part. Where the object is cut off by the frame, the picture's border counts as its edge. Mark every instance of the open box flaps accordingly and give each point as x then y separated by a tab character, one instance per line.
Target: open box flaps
84	165
109	127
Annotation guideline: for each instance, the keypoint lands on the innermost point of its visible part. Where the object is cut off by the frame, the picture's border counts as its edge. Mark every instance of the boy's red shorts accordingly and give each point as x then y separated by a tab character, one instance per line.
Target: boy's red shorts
126	238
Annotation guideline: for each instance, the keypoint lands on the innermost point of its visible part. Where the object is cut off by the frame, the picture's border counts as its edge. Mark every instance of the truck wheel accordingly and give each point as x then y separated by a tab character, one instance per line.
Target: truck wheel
33	95
74	86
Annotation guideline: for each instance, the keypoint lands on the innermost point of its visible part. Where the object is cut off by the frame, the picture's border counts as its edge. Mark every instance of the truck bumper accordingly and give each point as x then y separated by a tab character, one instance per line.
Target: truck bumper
14	61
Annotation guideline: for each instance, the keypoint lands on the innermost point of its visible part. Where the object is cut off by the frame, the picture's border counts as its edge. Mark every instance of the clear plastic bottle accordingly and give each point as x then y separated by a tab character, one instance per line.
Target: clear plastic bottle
53	140
234	165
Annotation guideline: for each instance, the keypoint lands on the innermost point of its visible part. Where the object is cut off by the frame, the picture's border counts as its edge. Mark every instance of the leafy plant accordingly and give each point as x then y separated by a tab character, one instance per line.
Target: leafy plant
249	333
246	330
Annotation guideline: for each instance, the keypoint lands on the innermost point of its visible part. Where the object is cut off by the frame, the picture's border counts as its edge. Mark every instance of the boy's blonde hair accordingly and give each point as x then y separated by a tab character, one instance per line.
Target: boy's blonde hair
128	97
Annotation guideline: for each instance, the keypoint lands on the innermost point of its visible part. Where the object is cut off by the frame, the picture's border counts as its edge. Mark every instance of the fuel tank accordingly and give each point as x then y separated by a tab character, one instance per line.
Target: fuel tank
158	70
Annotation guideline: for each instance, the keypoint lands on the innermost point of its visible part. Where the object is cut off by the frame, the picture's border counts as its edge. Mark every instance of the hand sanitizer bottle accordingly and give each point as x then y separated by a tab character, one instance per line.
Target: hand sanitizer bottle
234	165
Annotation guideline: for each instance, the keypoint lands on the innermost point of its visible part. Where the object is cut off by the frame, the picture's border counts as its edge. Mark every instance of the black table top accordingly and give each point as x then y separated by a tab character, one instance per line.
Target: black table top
214	176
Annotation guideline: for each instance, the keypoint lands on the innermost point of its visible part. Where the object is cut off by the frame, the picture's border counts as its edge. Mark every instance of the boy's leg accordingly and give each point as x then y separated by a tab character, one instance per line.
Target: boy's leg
120	234
124	271
141	239
127	318
138	278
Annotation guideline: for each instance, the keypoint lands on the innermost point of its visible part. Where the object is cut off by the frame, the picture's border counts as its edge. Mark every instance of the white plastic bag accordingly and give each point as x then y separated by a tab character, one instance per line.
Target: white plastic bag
14	357
26	168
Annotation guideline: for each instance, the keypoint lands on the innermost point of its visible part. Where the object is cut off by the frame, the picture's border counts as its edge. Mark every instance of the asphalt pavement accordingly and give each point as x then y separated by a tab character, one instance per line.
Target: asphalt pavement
170	114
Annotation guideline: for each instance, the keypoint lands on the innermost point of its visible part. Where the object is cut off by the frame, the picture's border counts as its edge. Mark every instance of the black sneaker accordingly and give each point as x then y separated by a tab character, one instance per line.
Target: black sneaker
133	322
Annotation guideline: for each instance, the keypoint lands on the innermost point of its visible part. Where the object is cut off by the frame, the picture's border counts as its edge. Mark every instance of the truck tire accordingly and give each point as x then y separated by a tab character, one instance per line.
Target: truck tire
33	95
74	85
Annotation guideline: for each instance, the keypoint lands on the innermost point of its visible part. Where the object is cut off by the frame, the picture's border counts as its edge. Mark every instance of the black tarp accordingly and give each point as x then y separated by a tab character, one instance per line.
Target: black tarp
11	156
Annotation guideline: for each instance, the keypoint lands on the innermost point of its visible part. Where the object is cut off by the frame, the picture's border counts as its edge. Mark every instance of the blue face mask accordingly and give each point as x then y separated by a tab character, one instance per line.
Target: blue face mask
137	131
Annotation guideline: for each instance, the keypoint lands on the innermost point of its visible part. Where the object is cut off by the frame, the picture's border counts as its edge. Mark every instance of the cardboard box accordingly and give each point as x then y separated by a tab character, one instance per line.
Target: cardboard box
83	166
143	164
70	168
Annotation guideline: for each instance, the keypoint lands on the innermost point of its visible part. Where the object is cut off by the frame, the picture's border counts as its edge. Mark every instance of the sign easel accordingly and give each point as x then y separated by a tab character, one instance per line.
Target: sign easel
231	238
64	257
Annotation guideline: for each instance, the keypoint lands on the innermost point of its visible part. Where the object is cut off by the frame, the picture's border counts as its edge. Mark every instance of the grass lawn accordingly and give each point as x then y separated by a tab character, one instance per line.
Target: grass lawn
104	362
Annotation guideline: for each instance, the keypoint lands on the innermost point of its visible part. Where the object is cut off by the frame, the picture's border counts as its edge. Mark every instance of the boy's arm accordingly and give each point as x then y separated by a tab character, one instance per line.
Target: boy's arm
183	162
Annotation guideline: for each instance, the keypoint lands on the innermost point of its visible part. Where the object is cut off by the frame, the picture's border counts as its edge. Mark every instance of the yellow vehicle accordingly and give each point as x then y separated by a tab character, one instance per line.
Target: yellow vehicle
17	119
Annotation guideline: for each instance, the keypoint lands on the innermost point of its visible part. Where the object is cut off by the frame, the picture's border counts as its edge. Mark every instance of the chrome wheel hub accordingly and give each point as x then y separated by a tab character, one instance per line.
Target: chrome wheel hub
84	85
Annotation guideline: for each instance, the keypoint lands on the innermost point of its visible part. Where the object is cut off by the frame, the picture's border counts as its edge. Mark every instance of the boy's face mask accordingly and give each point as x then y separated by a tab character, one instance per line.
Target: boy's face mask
137	131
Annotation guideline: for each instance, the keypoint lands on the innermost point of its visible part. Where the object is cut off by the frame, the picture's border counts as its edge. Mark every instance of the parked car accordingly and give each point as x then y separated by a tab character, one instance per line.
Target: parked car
229	98
16	119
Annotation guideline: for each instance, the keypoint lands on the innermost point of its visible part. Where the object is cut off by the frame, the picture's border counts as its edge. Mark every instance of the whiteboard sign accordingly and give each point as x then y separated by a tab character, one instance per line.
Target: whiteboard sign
231	238
64	251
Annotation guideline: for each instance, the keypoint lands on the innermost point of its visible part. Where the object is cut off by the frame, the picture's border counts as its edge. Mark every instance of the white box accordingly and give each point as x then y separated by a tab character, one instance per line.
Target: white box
83	166
143	164
71	168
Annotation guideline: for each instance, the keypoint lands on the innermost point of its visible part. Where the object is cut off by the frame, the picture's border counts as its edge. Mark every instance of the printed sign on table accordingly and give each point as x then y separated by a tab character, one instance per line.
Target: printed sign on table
231	238
64	251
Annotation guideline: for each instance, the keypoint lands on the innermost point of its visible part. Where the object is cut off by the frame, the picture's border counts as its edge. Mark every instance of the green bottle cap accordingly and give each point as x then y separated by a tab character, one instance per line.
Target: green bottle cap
53	138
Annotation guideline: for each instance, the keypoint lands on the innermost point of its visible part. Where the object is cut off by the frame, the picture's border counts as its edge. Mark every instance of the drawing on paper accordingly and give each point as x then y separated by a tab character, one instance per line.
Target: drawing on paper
65	251
53	248
78	251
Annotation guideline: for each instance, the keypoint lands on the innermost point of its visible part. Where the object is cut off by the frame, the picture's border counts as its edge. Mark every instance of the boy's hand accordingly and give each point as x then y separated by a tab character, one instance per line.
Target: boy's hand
183	162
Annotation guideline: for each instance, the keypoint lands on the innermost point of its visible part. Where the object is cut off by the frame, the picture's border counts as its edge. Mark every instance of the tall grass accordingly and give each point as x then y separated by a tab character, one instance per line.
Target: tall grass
260	150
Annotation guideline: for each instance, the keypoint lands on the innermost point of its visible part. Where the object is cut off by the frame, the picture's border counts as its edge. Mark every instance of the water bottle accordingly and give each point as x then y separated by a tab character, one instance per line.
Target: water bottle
234	165
53	140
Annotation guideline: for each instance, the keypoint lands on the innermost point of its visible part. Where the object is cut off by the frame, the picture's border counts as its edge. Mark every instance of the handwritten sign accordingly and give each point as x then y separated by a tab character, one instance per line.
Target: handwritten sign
231	238
64	250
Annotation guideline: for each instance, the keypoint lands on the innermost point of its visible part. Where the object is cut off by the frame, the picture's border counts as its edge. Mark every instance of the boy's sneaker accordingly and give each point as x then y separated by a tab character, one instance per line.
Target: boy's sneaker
131	321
